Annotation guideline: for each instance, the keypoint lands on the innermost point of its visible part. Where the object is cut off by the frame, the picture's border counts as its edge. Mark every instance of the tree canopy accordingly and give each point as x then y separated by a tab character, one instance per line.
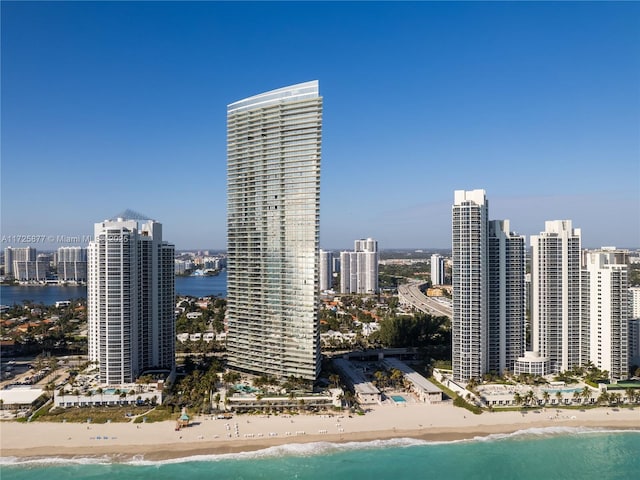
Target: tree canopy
421	330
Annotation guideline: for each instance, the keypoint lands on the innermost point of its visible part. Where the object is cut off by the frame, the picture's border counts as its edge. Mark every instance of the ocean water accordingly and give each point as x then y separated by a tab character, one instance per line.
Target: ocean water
549	453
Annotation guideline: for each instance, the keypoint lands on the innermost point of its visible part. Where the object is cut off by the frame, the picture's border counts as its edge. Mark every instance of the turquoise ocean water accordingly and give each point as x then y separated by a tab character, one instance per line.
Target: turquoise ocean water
549	453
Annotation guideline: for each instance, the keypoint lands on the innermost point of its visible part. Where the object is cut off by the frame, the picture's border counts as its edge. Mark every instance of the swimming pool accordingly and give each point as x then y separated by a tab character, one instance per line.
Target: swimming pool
245	388
398	398
562	390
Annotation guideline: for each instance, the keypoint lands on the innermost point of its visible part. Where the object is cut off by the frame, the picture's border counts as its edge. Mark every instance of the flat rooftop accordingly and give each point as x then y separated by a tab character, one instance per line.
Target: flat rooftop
411	375
19	395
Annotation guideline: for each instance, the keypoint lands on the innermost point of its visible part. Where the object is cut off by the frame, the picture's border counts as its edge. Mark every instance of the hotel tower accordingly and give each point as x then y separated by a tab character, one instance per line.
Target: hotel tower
130	300
273	211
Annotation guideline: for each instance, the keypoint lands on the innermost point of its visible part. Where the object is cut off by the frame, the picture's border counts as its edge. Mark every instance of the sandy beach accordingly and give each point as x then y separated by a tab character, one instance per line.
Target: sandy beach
206	435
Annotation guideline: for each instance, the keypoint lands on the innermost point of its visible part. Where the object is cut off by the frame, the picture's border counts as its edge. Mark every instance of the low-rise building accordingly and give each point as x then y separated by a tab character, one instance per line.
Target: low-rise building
129	394
281	403
19	397
366	392
426	391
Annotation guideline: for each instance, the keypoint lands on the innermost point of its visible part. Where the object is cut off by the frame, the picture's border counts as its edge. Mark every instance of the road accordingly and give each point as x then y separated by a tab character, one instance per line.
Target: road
410	294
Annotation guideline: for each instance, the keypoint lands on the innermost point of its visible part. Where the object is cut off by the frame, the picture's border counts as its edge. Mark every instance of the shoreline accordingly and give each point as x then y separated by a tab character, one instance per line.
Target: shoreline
125	442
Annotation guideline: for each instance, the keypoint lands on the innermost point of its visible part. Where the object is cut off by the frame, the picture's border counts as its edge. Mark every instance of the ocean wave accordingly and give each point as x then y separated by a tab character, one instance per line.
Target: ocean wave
538	432
290	450
308	449
287	450
42	461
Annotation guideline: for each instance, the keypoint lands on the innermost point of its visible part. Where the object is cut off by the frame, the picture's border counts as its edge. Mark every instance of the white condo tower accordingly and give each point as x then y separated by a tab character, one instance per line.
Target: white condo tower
130	300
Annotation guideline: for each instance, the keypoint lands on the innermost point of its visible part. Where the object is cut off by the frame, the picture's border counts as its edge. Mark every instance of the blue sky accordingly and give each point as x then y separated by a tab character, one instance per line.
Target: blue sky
115	105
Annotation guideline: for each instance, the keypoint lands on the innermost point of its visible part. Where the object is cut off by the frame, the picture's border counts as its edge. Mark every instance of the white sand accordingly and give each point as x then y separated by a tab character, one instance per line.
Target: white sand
207	436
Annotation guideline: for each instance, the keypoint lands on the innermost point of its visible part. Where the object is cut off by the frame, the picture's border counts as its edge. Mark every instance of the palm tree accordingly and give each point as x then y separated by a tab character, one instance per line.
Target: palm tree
603	398
545	397
517	399
528	398
349	398
559	397
586	394
576	397
614	398
381	378
334	379
396	376
630	394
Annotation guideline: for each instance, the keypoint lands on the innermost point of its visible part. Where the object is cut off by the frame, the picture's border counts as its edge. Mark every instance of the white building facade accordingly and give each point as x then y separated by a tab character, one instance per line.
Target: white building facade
11	255
506	297
634	302
130	300
273	203
559	332
359	268
437	269
470	284
608	312
326	270
72	264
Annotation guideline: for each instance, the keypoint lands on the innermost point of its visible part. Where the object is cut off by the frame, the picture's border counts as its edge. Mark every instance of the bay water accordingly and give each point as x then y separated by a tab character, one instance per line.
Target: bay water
50	294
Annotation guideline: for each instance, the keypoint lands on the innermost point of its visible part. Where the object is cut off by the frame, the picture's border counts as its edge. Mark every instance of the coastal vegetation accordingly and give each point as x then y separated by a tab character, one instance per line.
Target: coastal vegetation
94	414
429	334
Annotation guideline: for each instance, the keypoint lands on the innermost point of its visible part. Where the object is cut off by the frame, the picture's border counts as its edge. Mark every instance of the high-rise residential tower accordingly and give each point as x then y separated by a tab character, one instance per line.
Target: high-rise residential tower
437	269
72	264
634	302
506	323
559	332
273	211
609	312
359	268
130	299
470	284
326	270
11	255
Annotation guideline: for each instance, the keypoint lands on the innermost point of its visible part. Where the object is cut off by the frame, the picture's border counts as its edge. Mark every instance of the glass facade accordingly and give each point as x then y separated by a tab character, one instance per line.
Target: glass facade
273	208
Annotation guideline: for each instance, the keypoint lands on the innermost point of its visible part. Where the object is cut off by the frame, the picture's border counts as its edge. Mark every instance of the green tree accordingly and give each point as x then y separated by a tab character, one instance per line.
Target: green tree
576	397
517	399
545	397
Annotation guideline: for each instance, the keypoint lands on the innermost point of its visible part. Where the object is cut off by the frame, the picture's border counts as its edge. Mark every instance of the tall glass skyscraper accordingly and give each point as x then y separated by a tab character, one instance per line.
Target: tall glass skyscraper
273	208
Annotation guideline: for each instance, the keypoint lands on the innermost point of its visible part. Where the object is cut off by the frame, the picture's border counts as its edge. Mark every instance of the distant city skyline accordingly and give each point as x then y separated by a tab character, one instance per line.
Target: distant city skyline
422	99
